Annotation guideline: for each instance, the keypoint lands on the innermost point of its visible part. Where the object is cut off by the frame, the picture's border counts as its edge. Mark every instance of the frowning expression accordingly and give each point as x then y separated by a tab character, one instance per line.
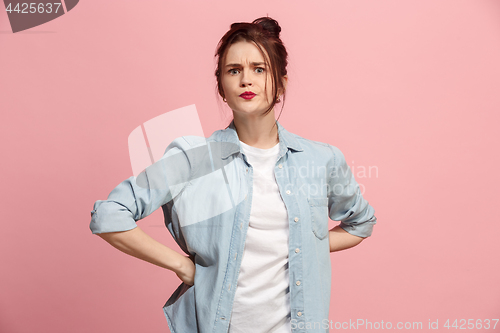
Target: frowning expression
246	80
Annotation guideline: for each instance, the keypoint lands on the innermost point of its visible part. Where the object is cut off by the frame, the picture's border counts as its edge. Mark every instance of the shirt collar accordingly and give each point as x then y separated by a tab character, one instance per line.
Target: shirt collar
287	140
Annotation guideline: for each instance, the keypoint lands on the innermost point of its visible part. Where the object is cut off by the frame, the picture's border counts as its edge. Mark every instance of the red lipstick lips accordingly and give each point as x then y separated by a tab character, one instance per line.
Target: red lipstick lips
247	95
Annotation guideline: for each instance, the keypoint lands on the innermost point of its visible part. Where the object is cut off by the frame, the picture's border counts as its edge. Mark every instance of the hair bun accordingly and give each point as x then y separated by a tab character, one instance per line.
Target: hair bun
269	25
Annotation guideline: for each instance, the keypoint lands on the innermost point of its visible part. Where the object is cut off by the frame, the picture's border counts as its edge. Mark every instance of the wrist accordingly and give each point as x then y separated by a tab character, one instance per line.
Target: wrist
178	263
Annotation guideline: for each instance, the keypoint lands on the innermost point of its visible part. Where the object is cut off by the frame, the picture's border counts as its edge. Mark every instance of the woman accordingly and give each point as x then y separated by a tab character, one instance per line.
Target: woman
249	206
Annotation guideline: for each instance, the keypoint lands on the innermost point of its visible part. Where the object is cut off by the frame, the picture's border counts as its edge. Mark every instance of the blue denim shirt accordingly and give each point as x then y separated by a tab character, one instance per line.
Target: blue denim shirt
204	186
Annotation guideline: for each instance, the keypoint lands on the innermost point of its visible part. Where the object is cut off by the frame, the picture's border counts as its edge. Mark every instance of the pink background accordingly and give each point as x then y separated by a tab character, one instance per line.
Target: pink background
408	87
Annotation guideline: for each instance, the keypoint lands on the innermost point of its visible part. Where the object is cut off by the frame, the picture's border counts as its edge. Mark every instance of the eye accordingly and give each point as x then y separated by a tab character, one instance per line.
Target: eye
260	70
232	71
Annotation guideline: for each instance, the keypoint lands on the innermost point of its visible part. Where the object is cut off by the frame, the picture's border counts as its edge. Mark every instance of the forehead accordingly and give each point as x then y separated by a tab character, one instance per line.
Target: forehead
244	52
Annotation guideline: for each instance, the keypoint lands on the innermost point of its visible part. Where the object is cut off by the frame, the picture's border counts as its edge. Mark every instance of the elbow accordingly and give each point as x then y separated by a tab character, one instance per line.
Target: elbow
116	237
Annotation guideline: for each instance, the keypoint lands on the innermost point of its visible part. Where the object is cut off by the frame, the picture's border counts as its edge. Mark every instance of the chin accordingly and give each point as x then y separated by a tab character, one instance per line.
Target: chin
249	111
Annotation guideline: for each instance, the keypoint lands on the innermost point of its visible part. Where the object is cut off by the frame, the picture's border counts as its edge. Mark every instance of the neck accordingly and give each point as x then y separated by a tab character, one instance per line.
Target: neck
260	132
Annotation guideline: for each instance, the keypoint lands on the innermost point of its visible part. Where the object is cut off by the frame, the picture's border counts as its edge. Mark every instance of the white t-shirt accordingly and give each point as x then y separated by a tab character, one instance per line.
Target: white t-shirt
262	299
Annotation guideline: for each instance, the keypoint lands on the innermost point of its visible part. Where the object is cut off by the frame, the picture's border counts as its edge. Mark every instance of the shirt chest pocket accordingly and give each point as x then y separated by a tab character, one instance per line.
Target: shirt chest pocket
319	216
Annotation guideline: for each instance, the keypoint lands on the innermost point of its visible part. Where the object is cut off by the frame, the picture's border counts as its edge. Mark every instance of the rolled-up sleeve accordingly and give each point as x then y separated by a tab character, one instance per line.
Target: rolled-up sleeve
138	197
345	201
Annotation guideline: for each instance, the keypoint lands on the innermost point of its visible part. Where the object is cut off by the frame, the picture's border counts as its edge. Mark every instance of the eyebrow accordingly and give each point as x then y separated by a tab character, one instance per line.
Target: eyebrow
253	64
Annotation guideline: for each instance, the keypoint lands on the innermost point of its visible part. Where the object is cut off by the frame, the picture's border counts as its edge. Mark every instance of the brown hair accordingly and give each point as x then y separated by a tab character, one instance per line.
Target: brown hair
264	32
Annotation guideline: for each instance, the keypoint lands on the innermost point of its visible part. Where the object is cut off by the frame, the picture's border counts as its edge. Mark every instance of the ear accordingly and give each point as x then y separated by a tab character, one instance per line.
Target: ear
221	93
285	82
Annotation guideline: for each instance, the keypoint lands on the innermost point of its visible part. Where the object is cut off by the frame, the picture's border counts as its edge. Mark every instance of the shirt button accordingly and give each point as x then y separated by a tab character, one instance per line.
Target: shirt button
299	313
288	192
297	283
297	250
246	170
280	166
296	219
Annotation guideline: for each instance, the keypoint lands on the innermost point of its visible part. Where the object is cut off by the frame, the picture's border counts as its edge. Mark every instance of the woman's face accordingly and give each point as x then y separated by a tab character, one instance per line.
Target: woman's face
244	70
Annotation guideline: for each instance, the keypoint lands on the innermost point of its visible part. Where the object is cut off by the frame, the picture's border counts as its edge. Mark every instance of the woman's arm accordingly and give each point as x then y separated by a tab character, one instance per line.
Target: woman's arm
341	239
137	243
347	205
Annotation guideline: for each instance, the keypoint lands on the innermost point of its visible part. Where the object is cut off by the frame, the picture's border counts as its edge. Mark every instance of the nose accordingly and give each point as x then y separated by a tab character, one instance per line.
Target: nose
245	79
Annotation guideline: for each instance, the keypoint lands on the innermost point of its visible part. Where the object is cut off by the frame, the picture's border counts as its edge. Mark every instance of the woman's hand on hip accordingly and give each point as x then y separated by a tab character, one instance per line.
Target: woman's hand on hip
187	271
